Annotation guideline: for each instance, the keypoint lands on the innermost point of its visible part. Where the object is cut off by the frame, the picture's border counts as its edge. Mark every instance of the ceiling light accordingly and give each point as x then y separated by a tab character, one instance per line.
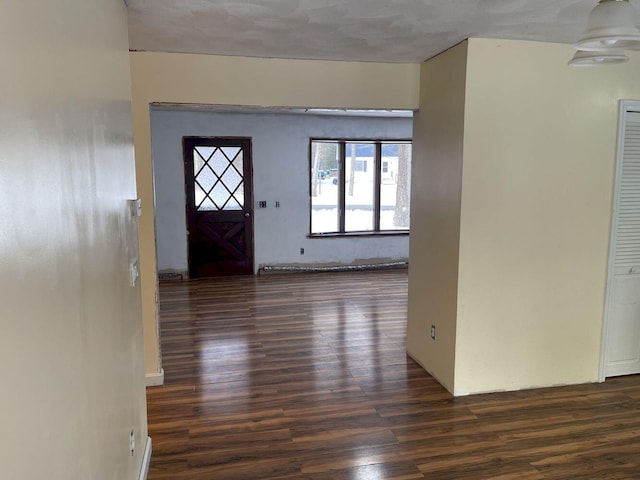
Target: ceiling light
584	58
611	24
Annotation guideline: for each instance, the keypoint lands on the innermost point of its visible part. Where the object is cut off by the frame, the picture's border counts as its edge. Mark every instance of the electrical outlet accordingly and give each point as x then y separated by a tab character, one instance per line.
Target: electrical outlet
433	332
302	251
132	442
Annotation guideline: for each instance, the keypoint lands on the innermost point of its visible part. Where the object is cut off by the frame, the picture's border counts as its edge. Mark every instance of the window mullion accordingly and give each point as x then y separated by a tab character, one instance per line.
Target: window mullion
377	182
342	168
312	172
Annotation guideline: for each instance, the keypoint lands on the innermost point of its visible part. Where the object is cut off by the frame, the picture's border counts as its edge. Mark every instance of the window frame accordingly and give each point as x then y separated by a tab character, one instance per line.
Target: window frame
377	165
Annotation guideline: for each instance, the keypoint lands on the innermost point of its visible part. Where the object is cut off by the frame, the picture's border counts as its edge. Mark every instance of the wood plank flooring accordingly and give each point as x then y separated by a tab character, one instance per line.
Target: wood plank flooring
306	377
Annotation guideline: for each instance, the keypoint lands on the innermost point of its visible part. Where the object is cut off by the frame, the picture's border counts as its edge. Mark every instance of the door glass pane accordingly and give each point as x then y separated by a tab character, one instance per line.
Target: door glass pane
206	179
237	162
218	162
231	179
219	195
218	178
233	204
232	152
207	205
203	154
359	187
238	197
324	187
395	186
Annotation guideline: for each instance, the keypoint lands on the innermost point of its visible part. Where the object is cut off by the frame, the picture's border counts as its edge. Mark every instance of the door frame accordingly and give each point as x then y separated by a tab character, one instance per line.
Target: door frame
625	106
248	204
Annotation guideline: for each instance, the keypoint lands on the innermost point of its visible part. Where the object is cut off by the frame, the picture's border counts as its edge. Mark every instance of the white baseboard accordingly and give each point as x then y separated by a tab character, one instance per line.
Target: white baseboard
146	461
154	379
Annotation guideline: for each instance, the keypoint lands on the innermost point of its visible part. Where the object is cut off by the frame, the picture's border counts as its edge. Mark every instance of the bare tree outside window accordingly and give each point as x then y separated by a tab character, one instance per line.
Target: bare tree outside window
401	213
315	183
352	169
324	187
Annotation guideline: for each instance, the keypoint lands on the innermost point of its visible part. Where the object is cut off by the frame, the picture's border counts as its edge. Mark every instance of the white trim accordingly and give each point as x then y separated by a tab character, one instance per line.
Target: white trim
404	113
625	107
154	379
146	461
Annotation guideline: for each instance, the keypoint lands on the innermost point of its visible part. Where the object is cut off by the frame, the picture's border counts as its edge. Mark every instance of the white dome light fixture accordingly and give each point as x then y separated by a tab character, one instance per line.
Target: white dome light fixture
592	58
611	25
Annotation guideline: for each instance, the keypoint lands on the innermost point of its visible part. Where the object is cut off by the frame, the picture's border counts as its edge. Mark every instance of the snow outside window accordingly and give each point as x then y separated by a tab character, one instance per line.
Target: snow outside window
360	186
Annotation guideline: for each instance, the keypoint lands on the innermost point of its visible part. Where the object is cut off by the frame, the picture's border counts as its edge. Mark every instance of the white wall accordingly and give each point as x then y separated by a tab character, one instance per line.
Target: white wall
280	148
72	376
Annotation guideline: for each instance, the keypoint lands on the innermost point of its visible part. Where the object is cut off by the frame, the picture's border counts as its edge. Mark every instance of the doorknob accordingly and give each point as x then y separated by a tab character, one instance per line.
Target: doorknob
247	214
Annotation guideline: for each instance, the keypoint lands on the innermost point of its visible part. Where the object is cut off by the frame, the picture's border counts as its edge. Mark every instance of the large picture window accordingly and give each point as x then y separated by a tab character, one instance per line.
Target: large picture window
360	186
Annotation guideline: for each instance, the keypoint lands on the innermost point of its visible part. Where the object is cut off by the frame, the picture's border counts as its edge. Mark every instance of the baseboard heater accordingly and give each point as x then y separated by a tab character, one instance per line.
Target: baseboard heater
337	268
172	276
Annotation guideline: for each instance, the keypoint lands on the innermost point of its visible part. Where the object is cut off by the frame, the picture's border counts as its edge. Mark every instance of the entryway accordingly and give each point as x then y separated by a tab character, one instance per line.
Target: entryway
218	187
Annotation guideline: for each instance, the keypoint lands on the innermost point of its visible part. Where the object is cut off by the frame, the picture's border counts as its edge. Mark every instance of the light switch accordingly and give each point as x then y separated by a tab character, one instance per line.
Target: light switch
135	207
134	269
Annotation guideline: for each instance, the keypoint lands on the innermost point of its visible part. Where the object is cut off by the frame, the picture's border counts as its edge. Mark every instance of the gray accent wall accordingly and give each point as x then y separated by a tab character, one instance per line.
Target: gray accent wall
280	147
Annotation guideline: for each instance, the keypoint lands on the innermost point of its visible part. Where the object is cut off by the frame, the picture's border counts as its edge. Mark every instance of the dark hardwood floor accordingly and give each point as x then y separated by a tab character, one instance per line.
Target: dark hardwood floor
306	377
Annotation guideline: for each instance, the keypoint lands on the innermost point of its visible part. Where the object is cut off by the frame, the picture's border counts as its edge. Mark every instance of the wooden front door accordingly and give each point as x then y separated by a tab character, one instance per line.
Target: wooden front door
218	186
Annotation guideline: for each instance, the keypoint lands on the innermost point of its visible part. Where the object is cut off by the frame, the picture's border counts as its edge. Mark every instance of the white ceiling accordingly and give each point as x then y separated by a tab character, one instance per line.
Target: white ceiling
359	30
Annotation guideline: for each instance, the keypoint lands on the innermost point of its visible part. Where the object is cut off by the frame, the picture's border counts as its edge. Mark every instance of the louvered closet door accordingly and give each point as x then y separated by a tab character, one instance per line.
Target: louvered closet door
622	354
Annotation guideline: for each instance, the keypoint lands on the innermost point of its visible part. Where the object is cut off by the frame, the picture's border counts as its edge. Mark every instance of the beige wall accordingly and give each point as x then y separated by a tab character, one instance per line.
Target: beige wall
71	333
435	213
207	79
540	146
537	178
